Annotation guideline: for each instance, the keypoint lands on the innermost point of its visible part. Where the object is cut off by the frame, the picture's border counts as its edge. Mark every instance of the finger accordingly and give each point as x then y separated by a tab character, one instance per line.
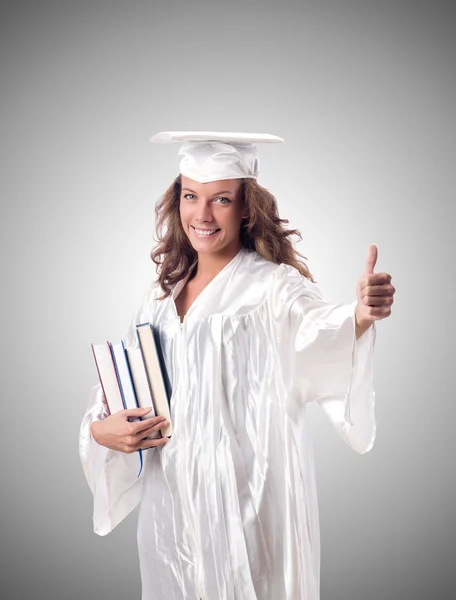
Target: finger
376	279
146	424
157	443
378	300
372	255
135	412
379	290
153	428
378	312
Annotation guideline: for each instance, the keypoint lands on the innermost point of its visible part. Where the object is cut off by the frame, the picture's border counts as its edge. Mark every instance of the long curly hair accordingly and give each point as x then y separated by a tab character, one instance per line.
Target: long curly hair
262	230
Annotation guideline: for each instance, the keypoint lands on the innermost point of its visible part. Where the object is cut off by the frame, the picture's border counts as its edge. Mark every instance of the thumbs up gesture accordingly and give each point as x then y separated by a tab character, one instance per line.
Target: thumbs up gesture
375	293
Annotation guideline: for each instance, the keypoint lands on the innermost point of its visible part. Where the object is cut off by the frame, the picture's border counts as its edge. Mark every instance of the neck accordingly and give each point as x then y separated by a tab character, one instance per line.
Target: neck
211	263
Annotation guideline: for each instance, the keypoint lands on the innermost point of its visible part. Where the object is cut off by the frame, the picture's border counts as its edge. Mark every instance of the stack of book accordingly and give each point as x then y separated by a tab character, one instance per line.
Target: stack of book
134	378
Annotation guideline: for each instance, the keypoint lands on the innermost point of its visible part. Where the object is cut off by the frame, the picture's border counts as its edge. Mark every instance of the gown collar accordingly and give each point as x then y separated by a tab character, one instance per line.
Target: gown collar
202	305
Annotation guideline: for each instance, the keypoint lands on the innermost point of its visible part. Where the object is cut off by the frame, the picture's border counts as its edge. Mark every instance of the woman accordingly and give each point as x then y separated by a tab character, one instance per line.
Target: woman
228	504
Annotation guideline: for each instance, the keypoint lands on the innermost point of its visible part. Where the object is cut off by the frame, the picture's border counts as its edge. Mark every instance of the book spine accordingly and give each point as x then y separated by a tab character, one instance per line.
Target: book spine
146	369
117	374
154	372
127	362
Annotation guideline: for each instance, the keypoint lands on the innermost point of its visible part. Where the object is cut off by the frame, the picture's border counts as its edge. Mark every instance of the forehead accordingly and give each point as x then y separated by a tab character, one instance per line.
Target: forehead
212	187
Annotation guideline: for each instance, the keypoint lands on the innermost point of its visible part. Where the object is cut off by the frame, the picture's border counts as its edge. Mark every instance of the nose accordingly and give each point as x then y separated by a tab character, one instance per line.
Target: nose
204	211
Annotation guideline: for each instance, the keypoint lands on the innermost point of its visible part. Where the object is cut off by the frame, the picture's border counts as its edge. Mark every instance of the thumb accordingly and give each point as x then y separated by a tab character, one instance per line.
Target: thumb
372	255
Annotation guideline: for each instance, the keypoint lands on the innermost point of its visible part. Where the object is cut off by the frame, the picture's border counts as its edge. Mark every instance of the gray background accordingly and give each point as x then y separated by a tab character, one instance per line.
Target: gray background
364	94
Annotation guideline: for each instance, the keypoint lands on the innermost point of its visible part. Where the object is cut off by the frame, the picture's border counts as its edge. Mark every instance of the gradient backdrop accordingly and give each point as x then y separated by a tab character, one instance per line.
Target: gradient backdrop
364	94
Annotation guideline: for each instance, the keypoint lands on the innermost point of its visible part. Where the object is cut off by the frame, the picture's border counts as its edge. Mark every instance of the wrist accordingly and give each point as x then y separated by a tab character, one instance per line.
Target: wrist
361	325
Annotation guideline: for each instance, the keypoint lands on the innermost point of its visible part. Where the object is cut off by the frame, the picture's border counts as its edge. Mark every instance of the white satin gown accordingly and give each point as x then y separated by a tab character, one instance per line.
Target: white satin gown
228	507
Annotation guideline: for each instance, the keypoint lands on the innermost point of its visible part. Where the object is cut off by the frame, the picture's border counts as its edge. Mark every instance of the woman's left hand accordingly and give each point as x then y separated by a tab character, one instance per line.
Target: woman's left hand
375	293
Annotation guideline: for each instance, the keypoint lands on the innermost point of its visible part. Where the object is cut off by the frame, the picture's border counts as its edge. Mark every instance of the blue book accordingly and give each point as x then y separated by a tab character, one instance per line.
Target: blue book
124	378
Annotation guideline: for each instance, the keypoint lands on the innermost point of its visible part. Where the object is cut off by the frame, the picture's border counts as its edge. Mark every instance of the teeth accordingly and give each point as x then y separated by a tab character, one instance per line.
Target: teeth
205	231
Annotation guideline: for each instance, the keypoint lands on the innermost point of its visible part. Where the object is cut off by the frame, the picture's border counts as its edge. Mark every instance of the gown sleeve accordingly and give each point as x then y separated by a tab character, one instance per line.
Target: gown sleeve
112	475
329	365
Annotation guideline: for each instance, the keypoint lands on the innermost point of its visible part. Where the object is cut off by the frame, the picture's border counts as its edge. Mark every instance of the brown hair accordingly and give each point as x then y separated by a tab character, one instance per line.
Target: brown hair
262	230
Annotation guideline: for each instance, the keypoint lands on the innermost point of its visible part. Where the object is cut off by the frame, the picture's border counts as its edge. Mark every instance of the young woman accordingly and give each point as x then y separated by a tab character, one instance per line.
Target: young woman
228	505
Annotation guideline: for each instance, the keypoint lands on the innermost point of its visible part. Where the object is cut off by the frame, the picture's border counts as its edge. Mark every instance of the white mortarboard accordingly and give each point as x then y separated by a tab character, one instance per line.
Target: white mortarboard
210	155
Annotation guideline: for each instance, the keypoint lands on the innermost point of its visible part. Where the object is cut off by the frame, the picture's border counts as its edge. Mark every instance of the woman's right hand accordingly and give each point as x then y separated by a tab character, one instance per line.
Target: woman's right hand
117	433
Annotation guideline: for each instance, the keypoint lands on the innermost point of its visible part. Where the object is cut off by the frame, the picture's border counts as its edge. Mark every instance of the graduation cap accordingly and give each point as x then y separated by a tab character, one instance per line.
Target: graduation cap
206	156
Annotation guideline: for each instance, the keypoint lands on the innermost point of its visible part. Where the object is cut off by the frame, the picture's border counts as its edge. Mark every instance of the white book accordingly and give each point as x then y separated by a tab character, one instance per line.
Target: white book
123	375
141	384
108	377
154	374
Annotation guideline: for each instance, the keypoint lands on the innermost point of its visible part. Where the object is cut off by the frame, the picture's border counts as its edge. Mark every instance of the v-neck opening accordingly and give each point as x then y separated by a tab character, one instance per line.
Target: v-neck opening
181	284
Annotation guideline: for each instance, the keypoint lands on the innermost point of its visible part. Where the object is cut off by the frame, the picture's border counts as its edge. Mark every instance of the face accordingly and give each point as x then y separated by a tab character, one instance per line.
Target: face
211	215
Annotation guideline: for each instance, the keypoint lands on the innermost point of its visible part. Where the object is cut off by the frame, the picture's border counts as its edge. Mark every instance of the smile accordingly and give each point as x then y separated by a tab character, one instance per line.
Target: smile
204	232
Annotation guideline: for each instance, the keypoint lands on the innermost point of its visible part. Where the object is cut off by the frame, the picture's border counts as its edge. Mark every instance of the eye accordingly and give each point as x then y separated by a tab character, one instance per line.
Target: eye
223	200
186	196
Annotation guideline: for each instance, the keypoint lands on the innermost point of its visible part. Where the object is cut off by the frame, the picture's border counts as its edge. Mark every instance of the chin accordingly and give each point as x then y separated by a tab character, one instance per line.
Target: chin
205	249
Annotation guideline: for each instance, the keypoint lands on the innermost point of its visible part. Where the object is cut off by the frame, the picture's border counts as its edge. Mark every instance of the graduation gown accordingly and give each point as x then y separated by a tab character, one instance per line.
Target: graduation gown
228	507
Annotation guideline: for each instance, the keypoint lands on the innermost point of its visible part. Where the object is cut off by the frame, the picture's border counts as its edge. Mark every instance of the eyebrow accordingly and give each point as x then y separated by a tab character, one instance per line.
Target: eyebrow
216	193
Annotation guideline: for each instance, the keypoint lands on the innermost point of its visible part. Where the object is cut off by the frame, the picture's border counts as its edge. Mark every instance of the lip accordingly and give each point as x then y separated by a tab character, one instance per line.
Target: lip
205	235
